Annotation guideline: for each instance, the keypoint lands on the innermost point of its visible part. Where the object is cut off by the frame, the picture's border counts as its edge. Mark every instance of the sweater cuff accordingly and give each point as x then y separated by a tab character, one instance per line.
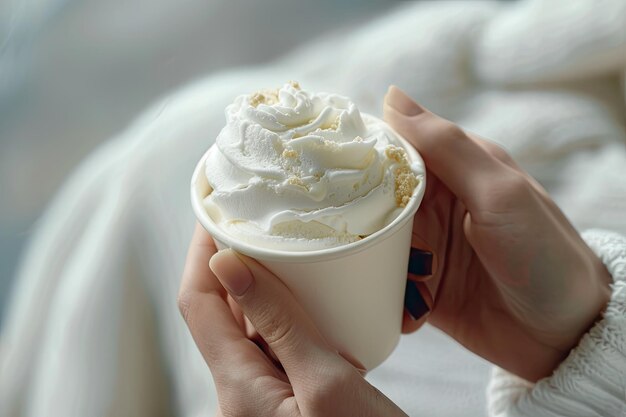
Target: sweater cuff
591	381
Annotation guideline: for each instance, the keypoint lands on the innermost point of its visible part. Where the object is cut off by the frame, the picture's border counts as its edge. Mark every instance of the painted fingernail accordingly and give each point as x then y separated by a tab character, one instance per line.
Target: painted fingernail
414	302
420	262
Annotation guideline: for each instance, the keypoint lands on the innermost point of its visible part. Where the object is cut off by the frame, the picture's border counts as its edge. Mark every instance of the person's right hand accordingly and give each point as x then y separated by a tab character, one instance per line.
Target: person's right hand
512	280
286	369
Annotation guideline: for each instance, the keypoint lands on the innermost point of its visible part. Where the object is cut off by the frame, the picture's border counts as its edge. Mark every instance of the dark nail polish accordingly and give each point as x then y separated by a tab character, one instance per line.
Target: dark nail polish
414	302
420	262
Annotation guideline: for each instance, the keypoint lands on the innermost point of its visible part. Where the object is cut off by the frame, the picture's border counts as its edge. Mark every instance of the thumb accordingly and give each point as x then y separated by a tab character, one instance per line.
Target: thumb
274	312
455	158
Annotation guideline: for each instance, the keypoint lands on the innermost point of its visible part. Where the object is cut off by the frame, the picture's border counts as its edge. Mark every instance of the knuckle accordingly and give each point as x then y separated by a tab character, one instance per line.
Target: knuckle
506	194
432	132
497	151
517	185
276	329
329	384
509	191
444	130
232	406
238	398
185	303
441	134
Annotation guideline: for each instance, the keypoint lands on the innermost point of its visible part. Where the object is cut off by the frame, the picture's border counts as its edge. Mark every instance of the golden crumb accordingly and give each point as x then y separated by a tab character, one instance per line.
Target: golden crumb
330	144
290	153
395	153
296	181
358	139
405	179
268	97
256	99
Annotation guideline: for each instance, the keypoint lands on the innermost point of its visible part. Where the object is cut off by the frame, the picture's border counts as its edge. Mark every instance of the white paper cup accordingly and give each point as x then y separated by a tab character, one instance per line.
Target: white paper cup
354	293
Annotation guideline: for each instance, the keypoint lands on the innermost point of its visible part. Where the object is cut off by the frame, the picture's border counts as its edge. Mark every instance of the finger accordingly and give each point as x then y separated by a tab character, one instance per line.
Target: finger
213	327
409	325
250	332
462	164
197	276
275	314
418	278
418	303
398	102
238	315
431	223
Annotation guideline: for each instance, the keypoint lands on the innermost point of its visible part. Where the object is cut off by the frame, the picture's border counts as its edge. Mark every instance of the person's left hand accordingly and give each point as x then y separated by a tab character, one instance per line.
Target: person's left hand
308	379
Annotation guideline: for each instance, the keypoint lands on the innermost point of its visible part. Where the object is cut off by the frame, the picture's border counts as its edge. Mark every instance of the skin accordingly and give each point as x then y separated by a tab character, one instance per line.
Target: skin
512	281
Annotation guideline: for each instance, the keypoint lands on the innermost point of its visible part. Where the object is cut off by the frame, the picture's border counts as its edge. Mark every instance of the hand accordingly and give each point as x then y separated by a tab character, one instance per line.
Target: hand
308	379
512	280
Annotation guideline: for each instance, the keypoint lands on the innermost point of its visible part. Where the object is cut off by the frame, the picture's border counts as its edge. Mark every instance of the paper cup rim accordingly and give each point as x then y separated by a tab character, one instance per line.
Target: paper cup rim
334	252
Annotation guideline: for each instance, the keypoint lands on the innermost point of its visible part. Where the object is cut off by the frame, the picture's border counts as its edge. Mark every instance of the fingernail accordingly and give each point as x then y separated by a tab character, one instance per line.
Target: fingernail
414	302
232	273
420	262
401	102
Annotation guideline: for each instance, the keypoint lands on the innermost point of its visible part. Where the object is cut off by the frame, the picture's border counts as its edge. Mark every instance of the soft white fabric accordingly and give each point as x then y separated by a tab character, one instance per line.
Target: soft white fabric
94	329
591	382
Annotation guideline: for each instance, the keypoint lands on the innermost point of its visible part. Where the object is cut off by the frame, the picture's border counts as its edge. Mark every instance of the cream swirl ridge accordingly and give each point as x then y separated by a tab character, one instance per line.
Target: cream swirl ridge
298	170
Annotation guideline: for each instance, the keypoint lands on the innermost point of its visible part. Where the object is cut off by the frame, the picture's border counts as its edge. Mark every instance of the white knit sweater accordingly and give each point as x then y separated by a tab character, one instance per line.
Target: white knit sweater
592	380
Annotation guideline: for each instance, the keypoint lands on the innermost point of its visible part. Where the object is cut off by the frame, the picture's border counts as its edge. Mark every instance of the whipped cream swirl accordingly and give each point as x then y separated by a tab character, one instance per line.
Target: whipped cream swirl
295	170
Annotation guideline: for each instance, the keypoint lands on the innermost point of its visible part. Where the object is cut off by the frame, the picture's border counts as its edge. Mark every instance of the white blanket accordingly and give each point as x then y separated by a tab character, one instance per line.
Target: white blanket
94	329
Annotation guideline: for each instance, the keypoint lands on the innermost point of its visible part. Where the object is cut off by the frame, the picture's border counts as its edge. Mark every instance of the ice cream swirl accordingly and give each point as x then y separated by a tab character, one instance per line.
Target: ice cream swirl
297	170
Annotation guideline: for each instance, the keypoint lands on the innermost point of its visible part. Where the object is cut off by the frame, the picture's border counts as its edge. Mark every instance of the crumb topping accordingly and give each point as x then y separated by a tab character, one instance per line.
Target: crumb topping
296	181
330	144
267	97
290	153
405	179
396	154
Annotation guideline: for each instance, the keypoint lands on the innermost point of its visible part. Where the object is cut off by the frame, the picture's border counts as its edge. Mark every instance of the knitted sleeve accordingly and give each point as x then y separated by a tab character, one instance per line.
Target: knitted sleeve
592	380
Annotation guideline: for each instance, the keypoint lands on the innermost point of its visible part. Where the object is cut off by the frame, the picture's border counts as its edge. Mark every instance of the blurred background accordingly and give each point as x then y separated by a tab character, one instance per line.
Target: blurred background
75	73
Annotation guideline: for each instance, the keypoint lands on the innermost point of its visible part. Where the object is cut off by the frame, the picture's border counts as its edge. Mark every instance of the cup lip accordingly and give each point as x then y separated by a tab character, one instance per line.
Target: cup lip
334	252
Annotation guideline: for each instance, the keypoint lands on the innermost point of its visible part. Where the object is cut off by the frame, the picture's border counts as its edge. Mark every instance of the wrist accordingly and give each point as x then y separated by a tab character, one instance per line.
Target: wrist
603	280
591	377
597	295
586	300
